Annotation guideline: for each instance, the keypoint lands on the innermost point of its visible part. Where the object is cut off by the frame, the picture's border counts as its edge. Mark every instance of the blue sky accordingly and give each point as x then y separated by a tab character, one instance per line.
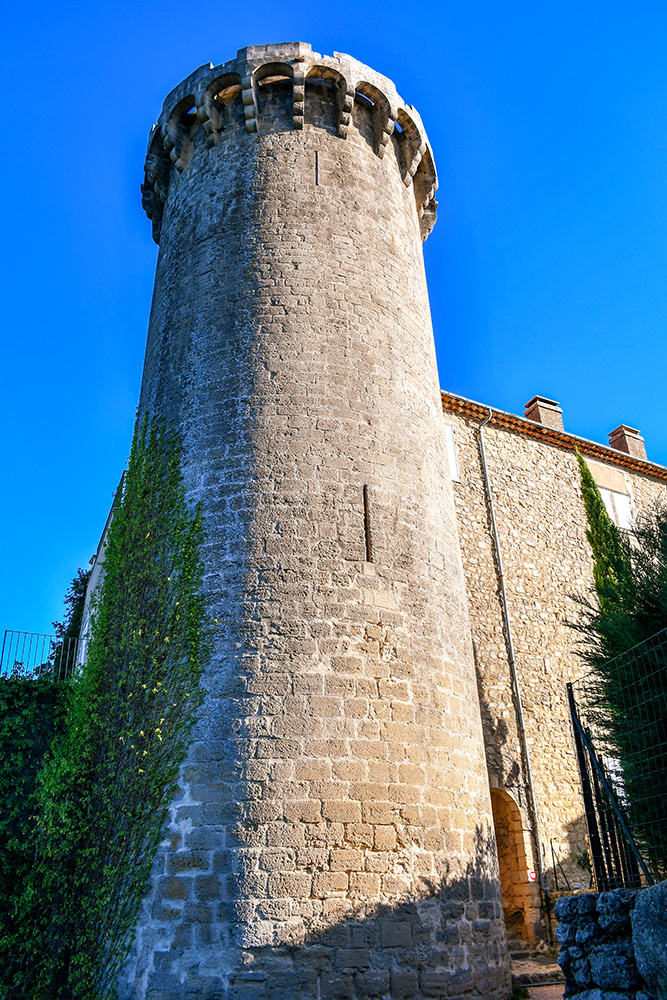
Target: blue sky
546	268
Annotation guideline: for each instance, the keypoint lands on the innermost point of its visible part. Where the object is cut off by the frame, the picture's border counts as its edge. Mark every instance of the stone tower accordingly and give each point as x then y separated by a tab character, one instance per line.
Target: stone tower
332	832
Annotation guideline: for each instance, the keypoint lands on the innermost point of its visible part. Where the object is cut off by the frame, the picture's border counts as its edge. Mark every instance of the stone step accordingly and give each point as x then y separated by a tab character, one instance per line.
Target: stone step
537	970
518	948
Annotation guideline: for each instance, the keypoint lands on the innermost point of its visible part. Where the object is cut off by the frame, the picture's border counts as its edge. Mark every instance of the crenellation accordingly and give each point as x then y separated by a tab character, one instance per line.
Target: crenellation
264	74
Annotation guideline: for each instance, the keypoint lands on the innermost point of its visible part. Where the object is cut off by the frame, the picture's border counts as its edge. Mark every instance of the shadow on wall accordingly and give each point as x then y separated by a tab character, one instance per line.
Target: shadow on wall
448	942
569	863
521	902
496	740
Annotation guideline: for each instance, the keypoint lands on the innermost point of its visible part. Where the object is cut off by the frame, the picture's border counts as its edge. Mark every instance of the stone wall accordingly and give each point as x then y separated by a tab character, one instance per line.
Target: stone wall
613	946
541	524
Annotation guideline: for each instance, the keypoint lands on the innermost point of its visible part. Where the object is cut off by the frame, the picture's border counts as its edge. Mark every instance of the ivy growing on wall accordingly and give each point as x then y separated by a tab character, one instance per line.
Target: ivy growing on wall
104	794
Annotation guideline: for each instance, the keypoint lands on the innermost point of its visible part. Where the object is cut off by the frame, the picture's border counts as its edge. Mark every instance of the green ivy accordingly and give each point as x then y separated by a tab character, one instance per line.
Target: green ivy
32	713
104	795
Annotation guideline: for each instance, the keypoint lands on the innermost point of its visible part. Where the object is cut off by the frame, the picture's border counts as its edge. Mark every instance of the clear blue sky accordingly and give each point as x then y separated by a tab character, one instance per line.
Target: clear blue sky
546	267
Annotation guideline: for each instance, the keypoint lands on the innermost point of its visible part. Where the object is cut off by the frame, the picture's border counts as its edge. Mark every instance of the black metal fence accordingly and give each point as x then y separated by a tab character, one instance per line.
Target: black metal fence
619	716
32	655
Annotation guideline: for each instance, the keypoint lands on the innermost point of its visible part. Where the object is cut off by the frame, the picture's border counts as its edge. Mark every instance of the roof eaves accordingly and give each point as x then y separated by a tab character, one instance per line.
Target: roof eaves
510	421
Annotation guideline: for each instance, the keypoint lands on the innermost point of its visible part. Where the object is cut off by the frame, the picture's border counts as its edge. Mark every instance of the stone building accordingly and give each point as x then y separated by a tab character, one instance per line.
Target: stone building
532	484
359	753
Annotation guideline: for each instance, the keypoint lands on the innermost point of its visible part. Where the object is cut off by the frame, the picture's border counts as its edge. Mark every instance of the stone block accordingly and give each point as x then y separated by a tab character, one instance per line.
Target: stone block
286	835
573	909
613	967
377	861
347	859
359	834
373	984
339	811
404	984
434	984
649	928
277	859
460	981
364	886
292	884
613	911
175	887
325	883
186	861
207	887
352	958
385	838
304	811
396	934
336	986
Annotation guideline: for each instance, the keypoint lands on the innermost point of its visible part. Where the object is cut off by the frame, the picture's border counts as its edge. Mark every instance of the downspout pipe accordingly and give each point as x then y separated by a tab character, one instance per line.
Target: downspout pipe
512	659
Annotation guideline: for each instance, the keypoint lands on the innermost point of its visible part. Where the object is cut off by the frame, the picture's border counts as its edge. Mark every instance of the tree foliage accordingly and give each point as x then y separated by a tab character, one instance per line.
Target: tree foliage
64	656
611	563
630	574
104	794
32	713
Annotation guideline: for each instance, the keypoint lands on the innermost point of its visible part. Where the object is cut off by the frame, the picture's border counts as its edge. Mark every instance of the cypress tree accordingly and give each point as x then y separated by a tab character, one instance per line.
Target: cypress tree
611	561
630	719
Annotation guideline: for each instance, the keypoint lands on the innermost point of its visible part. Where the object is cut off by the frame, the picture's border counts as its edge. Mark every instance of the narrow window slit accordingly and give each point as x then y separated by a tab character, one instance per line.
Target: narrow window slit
367	526
317	169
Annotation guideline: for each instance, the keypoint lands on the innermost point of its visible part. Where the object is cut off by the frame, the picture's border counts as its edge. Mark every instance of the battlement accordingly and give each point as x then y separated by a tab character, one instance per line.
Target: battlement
335	93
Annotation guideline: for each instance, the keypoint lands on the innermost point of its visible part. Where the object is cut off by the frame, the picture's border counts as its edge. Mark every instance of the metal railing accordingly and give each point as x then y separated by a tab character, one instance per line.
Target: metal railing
619	718
31	655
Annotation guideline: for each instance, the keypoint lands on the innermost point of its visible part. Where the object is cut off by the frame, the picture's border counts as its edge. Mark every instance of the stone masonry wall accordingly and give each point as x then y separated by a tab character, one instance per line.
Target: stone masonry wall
613	946
541	524
332	835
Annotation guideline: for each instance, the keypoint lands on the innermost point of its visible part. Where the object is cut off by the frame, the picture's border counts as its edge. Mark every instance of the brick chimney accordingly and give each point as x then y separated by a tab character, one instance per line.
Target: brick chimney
544	411
629	440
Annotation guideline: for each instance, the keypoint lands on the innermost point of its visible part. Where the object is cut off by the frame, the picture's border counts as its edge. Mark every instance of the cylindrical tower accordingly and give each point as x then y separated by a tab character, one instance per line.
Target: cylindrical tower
332	833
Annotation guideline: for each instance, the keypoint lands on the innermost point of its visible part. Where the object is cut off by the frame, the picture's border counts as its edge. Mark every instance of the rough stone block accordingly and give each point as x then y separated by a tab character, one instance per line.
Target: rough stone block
325	883
404	984
336	986
434	984
396	934
613	967
341	812
649	927
352	958
346	860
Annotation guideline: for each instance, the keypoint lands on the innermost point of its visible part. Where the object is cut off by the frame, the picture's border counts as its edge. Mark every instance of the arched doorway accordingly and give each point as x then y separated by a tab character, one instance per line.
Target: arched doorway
518	905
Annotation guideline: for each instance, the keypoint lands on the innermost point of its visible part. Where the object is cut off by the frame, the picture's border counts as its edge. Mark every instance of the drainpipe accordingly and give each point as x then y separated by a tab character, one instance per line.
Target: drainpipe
512	661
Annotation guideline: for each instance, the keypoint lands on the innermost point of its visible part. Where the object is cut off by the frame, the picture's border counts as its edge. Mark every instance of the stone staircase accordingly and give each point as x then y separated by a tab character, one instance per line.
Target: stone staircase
531	968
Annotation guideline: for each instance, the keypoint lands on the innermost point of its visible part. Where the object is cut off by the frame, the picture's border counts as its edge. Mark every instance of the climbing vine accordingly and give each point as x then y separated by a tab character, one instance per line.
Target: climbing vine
104	794
32	712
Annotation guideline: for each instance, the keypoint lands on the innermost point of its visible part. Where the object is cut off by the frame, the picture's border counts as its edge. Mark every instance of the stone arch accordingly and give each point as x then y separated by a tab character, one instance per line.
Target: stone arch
425	183
513	863
179	132
157	168
273	91
409	145
221	106
326	103
372	116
